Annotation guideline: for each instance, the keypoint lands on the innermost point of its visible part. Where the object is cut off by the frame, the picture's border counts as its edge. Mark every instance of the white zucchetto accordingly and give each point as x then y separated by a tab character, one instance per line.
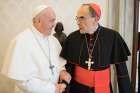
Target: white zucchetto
38	10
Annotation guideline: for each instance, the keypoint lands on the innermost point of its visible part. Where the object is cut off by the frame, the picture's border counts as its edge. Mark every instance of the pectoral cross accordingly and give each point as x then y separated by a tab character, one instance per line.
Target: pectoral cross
89	62
51	68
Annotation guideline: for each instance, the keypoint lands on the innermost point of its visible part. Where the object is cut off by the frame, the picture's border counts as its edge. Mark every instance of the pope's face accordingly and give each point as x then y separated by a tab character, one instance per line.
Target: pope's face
47	21
84	19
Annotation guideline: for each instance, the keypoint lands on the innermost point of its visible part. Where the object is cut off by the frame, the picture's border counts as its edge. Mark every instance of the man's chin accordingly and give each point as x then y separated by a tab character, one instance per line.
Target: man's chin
48	33
82	31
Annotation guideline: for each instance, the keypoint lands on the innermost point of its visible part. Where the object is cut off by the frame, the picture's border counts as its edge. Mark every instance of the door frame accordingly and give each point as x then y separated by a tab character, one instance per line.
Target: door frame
135	45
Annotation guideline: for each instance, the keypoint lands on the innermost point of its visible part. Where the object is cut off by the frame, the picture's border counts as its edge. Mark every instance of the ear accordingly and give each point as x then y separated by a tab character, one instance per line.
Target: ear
38	20
34	21
97	18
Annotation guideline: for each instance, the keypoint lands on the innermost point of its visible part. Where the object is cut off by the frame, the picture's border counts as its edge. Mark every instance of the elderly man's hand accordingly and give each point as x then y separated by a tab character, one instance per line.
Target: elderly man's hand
60	88
64	75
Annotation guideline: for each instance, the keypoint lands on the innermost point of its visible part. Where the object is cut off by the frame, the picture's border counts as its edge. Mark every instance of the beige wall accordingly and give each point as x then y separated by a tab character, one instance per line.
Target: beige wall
15	16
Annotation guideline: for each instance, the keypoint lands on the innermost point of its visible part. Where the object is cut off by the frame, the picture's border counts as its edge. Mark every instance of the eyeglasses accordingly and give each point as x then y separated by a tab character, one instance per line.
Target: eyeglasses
81	18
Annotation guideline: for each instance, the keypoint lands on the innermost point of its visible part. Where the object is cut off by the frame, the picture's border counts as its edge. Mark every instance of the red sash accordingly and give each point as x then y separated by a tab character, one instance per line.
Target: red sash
100	80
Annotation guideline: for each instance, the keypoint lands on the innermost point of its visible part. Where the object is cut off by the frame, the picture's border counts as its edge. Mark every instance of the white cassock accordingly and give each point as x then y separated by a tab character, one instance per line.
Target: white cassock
28	65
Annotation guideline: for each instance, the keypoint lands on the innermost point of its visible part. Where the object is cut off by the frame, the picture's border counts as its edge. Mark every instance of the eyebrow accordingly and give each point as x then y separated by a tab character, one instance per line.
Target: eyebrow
88	4
82	17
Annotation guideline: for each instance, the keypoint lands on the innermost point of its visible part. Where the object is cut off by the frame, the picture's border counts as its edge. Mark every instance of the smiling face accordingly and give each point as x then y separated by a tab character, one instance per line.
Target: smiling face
45	21
84	19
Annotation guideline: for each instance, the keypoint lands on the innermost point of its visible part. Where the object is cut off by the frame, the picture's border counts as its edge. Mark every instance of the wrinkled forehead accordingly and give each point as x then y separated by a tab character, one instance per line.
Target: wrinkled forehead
83	11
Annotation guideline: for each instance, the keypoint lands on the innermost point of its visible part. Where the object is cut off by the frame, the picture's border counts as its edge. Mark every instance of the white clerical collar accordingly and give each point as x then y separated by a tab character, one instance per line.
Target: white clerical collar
38	33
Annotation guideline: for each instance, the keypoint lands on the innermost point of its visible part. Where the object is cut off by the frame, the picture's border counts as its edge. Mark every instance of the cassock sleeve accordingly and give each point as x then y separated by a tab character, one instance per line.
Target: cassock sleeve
70	68
123	78
62	61
119	57
18	64
36	85
64	53
19	67
120	51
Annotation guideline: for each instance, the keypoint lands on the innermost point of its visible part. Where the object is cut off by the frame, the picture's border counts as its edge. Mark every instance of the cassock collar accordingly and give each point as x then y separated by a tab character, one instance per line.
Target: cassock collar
38	33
